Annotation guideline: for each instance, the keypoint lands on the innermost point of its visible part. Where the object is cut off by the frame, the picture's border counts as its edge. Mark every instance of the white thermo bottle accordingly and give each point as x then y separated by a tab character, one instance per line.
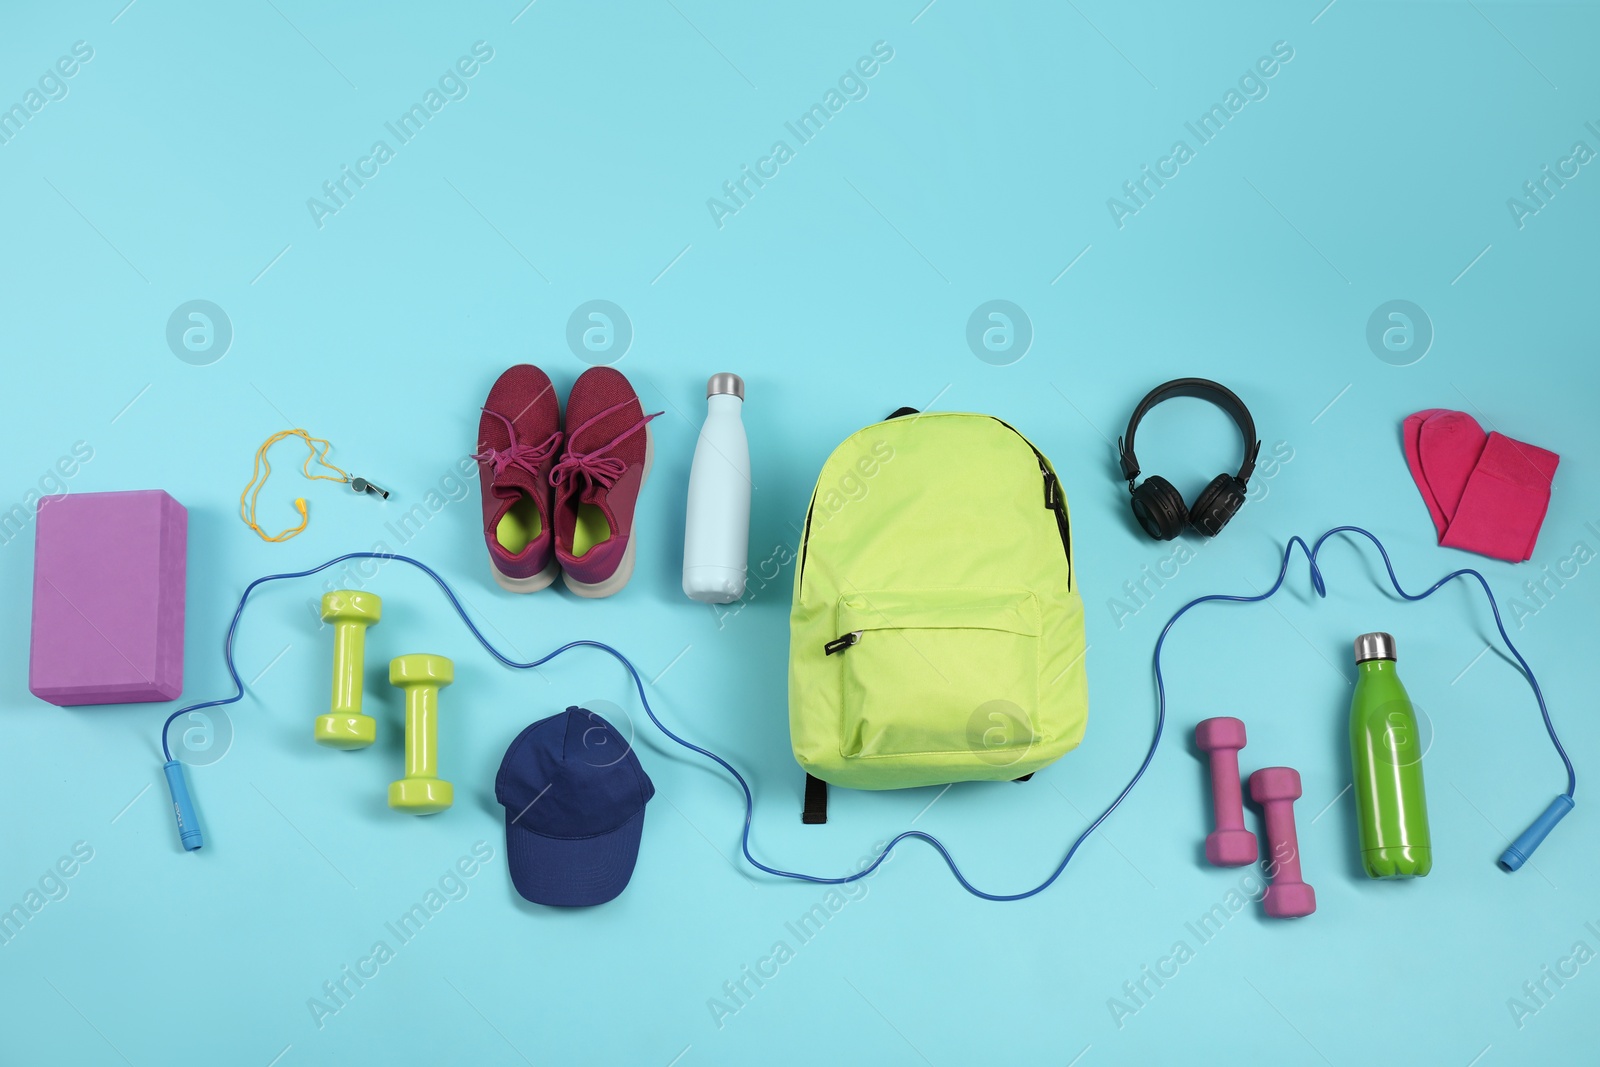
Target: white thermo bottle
716	536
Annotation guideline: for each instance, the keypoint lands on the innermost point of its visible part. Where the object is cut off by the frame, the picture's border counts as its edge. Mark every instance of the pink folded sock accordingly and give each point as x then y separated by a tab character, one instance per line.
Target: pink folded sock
1505	500
1451	443
1412	434
1486	493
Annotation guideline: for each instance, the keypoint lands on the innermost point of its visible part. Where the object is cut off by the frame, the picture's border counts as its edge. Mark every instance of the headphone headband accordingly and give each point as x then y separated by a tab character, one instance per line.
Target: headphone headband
1199	389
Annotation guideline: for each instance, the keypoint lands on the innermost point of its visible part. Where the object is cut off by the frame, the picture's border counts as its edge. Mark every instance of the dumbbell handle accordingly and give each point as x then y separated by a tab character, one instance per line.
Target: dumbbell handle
422	731
349	654
1282	842
1227	802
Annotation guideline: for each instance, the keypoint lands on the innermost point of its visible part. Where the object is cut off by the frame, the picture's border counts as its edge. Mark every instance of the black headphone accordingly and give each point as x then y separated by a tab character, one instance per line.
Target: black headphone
1156	504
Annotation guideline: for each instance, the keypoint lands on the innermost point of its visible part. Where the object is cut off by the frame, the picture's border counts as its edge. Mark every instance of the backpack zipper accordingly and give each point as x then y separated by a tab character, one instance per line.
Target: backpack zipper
1053	499
839	644
805	539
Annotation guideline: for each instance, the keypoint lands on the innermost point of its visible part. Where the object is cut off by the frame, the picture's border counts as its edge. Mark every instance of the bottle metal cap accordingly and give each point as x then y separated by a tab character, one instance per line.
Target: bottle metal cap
1374	646
725	383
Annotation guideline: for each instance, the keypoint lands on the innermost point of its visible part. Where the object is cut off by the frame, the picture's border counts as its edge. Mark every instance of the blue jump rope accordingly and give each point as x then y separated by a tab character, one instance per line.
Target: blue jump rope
1514	857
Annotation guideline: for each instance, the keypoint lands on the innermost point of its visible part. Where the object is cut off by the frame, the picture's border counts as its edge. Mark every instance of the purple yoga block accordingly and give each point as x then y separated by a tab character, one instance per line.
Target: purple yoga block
108	591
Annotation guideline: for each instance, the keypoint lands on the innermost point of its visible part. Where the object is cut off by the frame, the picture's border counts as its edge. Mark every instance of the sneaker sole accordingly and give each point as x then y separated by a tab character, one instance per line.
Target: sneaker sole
533	584
624	570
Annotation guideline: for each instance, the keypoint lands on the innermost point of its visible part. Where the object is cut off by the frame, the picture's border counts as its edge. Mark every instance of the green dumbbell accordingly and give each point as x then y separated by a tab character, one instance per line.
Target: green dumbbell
351	613
421	791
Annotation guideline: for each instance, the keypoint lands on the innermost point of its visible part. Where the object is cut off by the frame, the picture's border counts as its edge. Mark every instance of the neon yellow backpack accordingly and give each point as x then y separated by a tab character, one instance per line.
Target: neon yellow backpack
937	631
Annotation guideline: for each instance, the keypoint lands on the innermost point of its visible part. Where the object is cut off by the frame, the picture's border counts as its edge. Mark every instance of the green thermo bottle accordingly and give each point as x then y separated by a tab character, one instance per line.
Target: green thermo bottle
1386	760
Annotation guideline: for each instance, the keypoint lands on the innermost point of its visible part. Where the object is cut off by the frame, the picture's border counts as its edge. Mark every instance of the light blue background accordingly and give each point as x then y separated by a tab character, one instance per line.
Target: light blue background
978	167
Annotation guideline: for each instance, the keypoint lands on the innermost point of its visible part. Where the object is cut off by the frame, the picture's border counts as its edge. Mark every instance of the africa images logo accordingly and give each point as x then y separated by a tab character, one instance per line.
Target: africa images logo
452	85
851	85
1251	86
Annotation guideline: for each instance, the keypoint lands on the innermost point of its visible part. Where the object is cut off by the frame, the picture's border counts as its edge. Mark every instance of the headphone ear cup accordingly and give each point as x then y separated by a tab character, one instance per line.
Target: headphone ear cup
1217	503
1159	508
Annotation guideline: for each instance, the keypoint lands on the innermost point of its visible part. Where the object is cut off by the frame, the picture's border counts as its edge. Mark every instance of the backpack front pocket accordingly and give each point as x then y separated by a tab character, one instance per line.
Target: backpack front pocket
921	669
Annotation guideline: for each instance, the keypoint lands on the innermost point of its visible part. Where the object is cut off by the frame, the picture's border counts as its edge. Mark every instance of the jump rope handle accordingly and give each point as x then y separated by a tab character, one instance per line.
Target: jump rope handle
182	806
1522	848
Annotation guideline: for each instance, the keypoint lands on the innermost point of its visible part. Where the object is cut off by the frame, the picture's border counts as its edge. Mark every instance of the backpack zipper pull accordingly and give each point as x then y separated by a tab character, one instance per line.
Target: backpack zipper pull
839	644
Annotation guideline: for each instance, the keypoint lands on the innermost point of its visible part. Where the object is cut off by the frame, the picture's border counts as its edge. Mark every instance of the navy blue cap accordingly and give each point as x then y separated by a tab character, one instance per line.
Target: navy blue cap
574	795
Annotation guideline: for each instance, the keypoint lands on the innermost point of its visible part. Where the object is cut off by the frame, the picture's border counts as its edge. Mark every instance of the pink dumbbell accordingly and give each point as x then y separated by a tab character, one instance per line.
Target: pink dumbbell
1276	789
1230	844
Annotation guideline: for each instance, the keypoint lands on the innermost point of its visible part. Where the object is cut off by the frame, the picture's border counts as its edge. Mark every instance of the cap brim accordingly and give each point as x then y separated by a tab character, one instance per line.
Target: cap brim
572	873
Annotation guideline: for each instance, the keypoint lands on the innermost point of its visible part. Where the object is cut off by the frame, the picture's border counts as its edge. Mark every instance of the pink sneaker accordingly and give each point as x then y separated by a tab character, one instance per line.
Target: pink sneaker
597	482
519	435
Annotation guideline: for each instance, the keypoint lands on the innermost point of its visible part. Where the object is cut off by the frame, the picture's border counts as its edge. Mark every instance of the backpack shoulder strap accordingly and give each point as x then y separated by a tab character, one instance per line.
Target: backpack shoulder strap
816	809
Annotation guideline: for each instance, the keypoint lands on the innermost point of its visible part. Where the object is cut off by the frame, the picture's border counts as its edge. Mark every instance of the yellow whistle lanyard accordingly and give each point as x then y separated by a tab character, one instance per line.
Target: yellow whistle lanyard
263	470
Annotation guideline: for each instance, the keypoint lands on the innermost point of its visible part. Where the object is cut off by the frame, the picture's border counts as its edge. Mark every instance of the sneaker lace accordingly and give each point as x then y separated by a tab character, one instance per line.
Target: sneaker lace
517	454
597	465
